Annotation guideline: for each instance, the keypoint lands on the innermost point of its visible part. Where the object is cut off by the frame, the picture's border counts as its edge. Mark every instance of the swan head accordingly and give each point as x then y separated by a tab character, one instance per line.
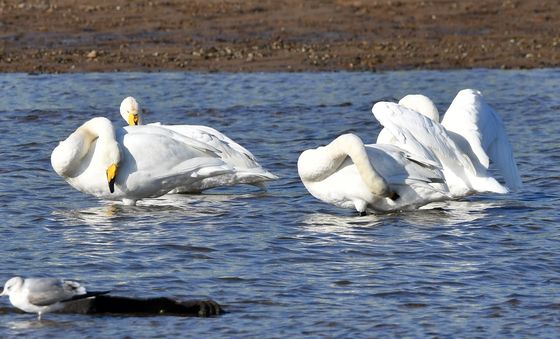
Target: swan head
111	160
130	111
12	285
101	130
111	176
421	104
95	138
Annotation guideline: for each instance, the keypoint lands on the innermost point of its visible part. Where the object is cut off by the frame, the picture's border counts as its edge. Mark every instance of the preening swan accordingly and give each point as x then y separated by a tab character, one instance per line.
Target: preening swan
469	138
247	169
138	162
349	174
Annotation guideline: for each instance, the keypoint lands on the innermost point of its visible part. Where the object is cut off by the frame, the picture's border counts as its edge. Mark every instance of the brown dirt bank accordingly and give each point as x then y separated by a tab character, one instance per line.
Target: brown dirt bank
276	35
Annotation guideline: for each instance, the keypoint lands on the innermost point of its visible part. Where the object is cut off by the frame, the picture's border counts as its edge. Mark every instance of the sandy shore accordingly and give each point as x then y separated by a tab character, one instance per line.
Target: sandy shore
276	35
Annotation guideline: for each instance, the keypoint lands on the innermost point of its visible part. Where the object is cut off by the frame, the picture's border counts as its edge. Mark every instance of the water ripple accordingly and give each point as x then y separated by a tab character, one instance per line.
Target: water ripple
281	261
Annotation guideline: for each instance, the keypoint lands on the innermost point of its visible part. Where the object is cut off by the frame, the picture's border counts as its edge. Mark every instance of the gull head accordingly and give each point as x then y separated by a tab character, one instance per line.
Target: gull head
130	111
421	104
12	285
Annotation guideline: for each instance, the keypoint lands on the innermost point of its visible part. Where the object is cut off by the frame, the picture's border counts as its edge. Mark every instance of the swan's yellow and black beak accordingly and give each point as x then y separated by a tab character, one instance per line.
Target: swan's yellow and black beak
111	176
133	119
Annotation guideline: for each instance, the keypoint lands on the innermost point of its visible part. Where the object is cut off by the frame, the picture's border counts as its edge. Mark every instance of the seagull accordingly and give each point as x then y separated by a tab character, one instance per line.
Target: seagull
43	295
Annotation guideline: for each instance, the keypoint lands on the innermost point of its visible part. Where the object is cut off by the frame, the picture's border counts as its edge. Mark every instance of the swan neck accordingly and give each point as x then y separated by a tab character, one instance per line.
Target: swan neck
66	158
352	146
97	128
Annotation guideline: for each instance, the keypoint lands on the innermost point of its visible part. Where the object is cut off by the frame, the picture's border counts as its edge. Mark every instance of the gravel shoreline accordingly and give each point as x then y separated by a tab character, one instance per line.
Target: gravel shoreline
276	35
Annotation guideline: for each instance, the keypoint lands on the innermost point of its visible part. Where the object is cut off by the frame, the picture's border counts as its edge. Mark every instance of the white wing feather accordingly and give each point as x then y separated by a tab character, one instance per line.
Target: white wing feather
483	134
235	153
47	291
422	136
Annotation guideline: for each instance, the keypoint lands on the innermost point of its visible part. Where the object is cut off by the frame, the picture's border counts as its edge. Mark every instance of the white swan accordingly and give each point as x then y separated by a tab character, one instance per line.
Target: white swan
349	174
247	169
470	136
129	164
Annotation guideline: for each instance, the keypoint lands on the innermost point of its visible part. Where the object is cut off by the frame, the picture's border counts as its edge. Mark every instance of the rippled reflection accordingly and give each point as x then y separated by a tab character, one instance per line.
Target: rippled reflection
436	214
38	324
165	208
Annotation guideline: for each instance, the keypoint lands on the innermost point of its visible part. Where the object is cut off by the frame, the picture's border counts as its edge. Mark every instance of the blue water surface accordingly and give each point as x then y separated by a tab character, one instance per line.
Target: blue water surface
281	262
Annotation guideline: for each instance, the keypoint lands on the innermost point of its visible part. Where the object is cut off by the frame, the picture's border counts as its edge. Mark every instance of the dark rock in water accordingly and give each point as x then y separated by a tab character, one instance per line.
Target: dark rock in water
105	304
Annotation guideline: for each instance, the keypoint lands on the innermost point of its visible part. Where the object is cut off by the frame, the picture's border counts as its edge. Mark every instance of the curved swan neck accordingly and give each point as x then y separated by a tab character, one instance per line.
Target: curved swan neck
315	165
67	156
351	145
97	128
102	129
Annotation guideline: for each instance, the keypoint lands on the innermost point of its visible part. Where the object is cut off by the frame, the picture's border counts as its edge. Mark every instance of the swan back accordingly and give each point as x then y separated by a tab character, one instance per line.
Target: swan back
230	151
247	169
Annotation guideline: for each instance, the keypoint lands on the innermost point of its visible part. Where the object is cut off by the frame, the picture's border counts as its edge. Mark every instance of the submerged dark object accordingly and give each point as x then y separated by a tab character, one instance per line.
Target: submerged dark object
107	304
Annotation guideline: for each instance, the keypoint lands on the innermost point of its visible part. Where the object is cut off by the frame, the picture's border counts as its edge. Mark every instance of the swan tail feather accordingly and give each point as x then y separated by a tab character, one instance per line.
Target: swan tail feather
487	184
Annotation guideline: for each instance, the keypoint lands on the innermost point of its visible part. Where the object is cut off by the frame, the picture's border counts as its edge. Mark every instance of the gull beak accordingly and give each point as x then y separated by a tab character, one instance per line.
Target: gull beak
133	119
111	176
3	293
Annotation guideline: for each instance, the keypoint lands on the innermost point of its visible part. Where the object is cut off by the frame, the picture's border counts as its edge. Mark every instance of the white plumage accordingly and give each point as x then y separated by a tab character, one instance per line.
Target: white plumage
246	168
137	162
42	295
349	174
470	137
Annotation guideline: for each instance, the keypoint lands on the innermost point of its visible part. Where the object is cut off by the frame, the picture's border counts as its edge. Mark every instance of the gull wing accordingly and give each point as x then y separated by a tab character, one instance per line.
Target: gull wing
48	291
